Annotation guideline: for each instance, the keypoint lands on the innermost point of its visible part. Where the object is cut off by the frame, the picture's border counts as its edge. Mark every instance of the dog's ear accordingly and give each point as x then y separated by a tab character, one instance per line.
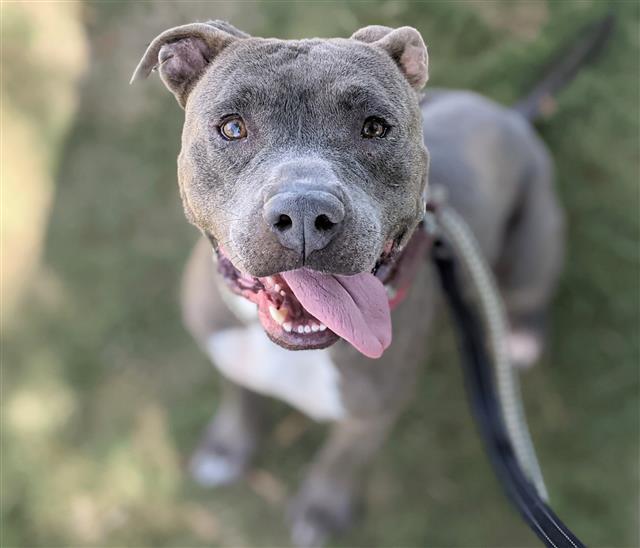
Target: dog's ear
181	54
405	46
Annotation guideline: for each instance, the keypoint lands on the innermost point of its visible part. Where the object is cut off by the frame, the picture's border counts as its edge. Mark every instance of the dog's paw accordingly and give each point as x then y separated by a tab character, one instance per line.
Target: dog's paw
317	517
525	348
309	532
213	469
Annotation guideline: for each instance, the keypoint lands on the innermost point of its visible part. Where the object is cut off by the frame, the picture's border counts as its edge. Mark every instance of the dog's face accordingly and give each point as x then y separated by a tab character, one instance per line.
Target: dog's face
297	155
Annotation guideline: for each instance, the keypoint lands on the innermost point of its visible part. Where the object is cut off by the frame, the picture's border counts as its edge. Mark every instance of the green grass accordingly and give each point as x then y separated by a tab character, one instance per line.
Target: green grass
104	393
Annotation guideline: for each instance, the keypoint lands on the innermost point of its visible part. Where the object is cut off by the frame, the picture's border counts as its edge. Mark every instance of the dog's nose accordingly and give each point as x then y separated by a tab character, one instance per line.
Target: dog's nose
304	221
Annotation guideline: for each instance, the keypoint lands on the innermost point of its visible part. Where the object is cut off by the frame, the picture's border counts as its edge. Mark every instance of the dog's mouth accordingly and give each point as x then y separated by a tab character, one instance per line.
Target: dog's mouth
305	309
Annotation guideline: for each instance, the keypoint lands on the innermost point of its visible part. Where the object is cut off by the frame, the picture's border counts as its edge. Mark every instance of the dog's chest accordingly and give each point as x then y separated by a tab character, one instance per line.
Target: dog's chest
308	380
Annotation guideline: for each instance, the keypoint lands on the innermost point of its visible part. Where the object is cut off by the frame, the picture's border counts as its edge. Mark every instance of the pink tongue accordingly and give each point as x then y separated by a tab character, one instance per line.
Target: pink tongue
354	307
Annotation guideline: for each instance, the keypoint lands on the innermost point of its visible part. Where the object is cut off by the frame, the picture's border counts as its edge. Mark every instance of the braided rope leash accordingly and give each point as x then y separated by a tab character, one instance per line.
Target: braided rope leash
458	235
492	384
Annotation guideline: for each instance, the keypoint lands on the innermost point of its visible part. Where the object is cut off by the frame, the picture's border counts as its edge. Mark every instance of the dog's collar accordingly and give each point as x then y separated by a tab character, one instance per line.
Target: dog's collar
402	271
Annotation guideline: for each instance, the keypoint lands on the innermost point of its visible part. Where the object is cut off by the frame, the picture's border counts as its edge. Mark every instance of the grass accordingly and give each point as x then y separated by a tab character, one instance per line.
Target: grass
104	394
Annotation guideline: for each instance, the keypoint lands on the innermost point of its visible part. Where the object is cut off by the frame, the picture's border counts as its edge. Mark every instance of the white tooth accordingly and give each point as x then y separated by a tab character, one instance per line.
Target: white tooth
300	329
283	293
315	327
277	287
322	327
274	313
287	326
307	329
278	315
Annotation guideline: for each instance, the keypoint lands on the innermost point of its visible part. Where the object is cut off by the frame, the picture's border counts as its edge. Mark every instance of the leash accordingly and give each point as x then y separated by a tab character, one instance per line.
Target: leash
492	384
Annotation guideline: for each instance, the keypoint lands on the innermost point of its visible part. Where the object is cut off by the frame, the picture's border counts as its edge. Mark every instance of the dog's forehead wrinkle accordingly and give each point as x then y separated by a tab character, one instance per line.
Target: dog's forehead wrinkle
236	88
332	60
232	97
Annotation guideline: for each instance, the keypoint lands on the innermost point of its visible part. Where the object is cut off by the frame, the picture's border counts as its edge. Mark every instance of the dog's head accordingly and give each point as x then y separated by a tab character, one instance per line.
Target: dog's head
304	156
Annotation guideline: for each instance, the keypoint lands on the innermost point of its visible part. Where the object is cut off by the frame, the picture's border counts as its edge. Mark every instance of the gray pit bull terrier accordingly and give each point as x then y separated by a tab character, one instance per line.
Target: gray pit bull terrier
304	164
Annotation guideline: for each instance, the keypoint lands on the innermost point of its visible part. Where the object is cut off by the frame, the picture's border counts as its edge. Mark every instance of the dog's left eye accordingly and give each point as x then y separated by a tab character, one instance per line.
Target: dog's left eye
374	127
233	129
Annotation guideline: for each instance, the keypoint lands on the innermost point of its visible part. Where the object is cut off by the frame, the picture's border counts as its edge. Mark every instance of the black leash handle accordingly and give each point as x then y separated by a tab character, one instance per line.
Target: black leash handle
482	395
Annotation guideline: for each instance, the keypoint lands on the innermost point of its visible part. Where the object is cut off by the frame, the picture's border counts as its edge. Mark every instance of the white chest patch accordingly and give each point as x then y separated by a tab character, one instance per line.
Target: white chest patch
308	380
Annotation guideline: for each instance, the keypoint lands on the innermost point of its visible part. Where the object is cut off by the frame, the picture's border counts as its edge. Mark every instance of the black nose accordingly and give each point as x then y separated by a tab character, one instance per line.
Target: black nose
304	221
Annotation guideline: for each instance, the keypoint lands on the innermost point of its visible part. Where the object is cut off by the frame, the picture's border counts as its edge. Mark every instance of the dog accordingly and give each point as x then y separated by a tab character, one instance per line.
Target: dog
306	166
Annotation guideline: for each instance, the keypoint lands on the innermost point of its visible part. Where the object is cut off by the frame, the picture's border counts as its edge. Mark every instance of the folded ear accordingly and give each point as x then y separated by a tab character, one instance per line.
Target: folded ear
405	46
181	54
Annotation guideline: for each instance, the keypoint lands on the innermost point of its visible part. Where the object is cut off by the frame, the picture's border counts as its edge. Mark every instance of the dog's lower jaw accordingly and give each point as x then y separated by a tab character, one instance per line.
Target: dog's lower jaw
306	333
331	339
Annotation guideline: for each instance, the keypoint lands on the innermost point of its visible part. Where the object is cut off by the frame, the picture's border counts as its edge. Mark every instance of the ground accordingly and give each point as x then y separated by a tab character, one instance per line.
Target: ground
104	394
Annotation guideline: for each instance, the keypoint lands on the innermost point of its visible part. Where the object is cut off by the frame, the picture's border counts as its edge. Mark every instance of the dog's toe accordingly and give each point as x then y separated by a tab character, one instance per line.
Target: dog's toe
307	533
212	470
525	348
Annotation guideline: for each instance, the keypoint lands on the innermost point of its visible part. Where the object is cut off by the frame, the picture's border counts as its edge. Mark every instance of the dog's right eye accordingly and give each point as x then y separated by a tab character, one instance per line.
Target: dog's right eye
374	127
233	129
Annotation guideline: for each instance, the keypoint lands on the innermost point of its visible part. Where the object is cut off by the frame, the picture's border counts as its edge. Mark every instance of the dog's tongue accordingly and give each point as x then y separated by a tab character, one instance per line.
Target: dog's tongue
354	307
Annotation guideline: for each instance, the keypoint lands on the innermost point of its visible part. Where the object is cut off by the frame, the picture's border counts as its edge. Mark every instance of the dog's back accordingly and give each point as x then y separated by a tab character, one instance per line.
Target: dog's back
498	174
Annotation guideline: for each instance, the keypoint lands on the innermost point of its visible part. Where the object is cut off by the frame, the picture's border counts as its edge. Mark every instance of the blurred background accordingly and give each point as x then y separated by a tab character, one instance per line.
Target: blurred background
103	393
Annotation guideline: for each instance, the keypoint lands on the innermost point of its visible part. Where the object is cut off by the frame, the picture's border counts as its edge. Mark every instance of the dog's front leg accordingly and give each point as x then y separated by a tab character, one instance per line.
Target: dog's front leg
325	503
230	438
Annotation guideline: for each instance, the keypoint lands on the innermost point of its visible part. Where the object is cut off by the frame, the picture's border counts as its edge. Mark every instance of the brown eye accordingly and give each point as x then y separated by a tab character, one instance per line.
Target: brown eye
374	127
233	129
